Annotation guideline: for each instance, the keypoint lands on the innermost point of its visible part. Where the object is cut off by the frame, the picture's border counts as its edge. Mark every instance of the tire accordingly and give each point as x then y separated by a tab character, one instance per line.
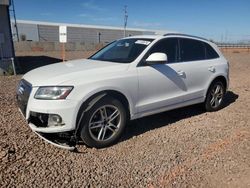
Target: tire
215	96
103	123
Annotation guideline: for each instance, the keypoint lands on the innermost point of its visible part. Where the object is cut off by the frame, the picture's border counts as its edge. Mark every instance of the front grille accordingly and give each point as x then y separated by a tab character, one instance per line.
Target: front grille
22	95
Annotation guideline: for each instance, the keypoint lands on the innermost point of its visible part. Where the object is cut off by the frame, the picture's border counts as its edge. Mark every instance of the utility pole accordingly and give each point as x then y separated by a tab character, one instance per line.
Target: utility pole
12	9
125	19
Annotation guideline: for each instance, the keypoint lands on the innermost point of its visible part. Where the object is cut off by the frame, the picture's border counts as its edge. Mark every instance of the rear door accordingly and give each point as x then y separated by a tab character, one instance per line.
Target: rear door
196	67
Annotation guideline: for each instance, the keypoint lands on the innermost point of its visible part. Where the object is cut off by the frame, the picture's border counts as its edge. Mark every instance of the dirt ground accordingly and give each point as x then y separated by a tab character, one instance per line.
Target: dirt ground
181	148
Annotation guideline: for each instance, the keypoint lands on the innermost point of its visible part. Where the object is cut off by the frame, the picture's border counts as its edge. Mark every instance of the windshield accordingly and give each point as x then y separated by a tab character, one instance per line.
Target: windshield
122	51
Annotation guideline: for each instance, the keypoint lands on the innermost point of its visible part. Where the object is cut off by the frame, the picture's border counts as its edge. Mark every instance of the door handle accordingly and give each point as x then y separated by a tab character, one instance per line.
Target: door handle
181	73
211	69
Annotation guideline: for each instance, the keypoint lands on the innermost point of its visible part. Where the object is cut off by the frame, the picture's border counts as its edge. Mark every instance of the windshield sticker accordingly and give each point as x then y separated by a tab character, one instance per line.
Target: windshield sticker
120	44
126	44
144	42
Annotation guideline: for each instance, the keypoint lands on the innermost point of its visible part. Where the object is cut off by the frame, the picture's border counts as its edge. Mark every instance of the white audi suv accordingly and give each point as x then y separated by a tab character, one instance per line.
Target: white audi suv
92	99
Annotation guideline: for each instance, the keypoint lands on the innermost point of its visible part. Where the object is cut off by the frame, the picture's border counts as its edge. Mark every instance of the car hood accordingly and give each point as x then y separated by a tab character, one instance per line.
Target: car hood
59	73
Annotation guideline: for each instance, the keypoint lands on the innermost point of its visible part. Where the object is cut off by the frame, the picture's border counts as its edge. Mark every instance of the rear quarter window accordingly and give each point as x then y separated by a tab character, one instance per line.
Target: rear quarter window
210	52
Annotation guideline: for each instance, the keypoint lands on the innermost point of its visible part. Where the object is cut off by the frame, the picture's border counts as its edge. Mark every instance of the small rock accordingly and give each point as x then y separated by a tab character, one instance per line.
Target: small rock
3	154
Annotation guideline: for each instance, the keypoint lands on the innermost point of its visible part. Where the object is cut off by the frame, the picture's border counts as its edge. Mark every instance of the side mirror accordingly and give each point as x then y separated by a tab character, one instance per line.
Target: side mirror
157	58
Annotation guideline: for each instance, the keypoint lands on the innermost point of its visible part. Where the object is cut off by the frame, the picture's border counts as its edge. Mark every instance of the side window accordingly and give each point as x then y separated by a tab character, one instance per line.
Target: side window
210	52
191	50
168	46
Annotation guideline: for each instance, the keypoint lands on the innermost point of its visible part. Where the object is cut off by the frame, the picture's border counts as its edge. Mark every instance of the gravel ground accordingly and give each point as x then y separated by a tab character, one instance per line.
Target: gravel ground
181	148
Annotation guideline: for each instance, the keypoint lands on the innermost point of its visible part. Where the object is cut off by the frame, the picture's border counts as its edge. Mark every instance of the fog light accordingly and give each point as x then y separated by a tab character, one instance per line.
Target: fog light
55	120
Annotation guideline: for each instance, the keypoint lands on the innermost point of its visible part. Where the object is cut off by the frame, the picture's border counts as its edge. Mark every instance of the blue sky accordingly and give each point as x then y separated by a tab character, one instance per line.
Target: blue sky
227	20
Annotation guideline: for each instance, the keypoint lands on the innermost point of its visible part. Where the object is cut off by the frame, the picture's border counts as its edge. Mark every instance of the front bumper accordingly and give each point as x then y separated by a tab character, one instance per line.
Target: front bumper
56	140
54	135
66	109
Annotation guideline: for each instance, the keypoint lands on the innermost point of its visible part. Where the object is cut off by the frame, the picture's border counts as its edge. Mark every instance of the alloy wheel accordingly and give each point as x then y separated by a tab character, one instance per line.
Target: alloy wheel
216	96
104	123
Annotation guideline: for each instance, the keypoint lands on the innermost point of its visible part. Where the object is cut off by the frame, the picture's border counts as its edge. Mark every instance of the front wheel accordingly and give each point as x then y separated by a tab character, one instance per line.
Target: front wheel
104	123
215	96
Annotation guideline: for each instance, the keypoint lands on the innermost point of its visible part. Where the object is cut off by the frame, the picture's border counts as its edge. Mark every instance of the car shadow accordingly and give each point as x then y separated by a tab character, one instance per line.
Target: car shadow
142	125
171	74
28	63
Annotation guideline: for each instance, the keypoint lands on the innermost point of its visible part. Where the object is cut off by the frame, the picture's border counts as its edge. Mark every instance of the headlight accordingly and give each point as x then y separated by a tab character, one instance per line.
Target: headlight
53	92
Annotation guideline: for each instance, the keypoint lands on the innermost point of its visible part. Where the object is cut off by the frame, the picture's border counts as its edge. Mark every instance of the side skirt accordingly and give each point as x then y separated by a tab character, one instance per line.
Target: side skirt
170	107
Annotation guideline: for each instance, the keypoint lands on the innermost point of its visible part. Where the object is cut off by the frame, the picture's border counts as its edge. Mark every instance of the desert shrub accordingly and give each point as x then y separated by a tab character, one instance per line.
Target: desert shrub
23	37
10	70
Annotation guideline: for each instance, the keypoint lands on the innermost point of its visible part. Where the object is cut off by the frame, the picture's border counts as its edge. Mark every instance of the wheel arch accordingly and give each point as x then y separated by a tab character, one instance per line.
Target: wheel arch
221	78
91	100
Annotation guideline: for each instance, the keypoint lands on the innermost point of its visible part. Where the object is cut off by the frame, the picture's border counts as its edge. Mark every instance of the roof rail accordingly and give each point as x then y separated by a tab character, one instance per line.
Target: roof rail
185	35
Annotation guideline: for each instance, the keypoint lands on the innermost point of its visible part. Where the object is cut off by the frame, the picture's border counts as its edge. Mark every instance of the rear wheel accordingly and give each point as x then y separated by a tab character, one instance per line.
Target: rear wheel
104	123
215	96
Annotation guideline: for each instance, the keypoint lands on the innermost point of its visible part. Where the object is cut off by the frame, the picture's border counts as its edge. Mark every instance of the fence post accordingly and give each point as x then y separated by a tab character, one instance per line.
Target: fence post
13	65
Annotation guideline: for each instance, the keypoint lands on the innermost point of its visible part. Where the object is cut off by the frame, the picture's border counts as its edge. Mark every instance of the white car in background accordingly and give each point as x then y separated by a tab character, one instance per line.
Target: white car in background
91	100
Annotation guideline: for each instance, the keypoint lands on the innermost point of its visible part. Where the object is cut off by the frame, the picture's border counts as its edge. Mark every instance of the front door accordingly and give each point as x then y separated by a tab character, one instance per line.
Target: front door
161	85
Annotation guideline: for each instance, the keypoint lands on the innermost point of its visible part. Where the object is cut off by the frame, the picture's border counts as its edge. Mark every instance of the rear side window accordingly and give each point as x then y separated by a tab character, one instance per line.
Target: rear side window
168	46
192	50
210	52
